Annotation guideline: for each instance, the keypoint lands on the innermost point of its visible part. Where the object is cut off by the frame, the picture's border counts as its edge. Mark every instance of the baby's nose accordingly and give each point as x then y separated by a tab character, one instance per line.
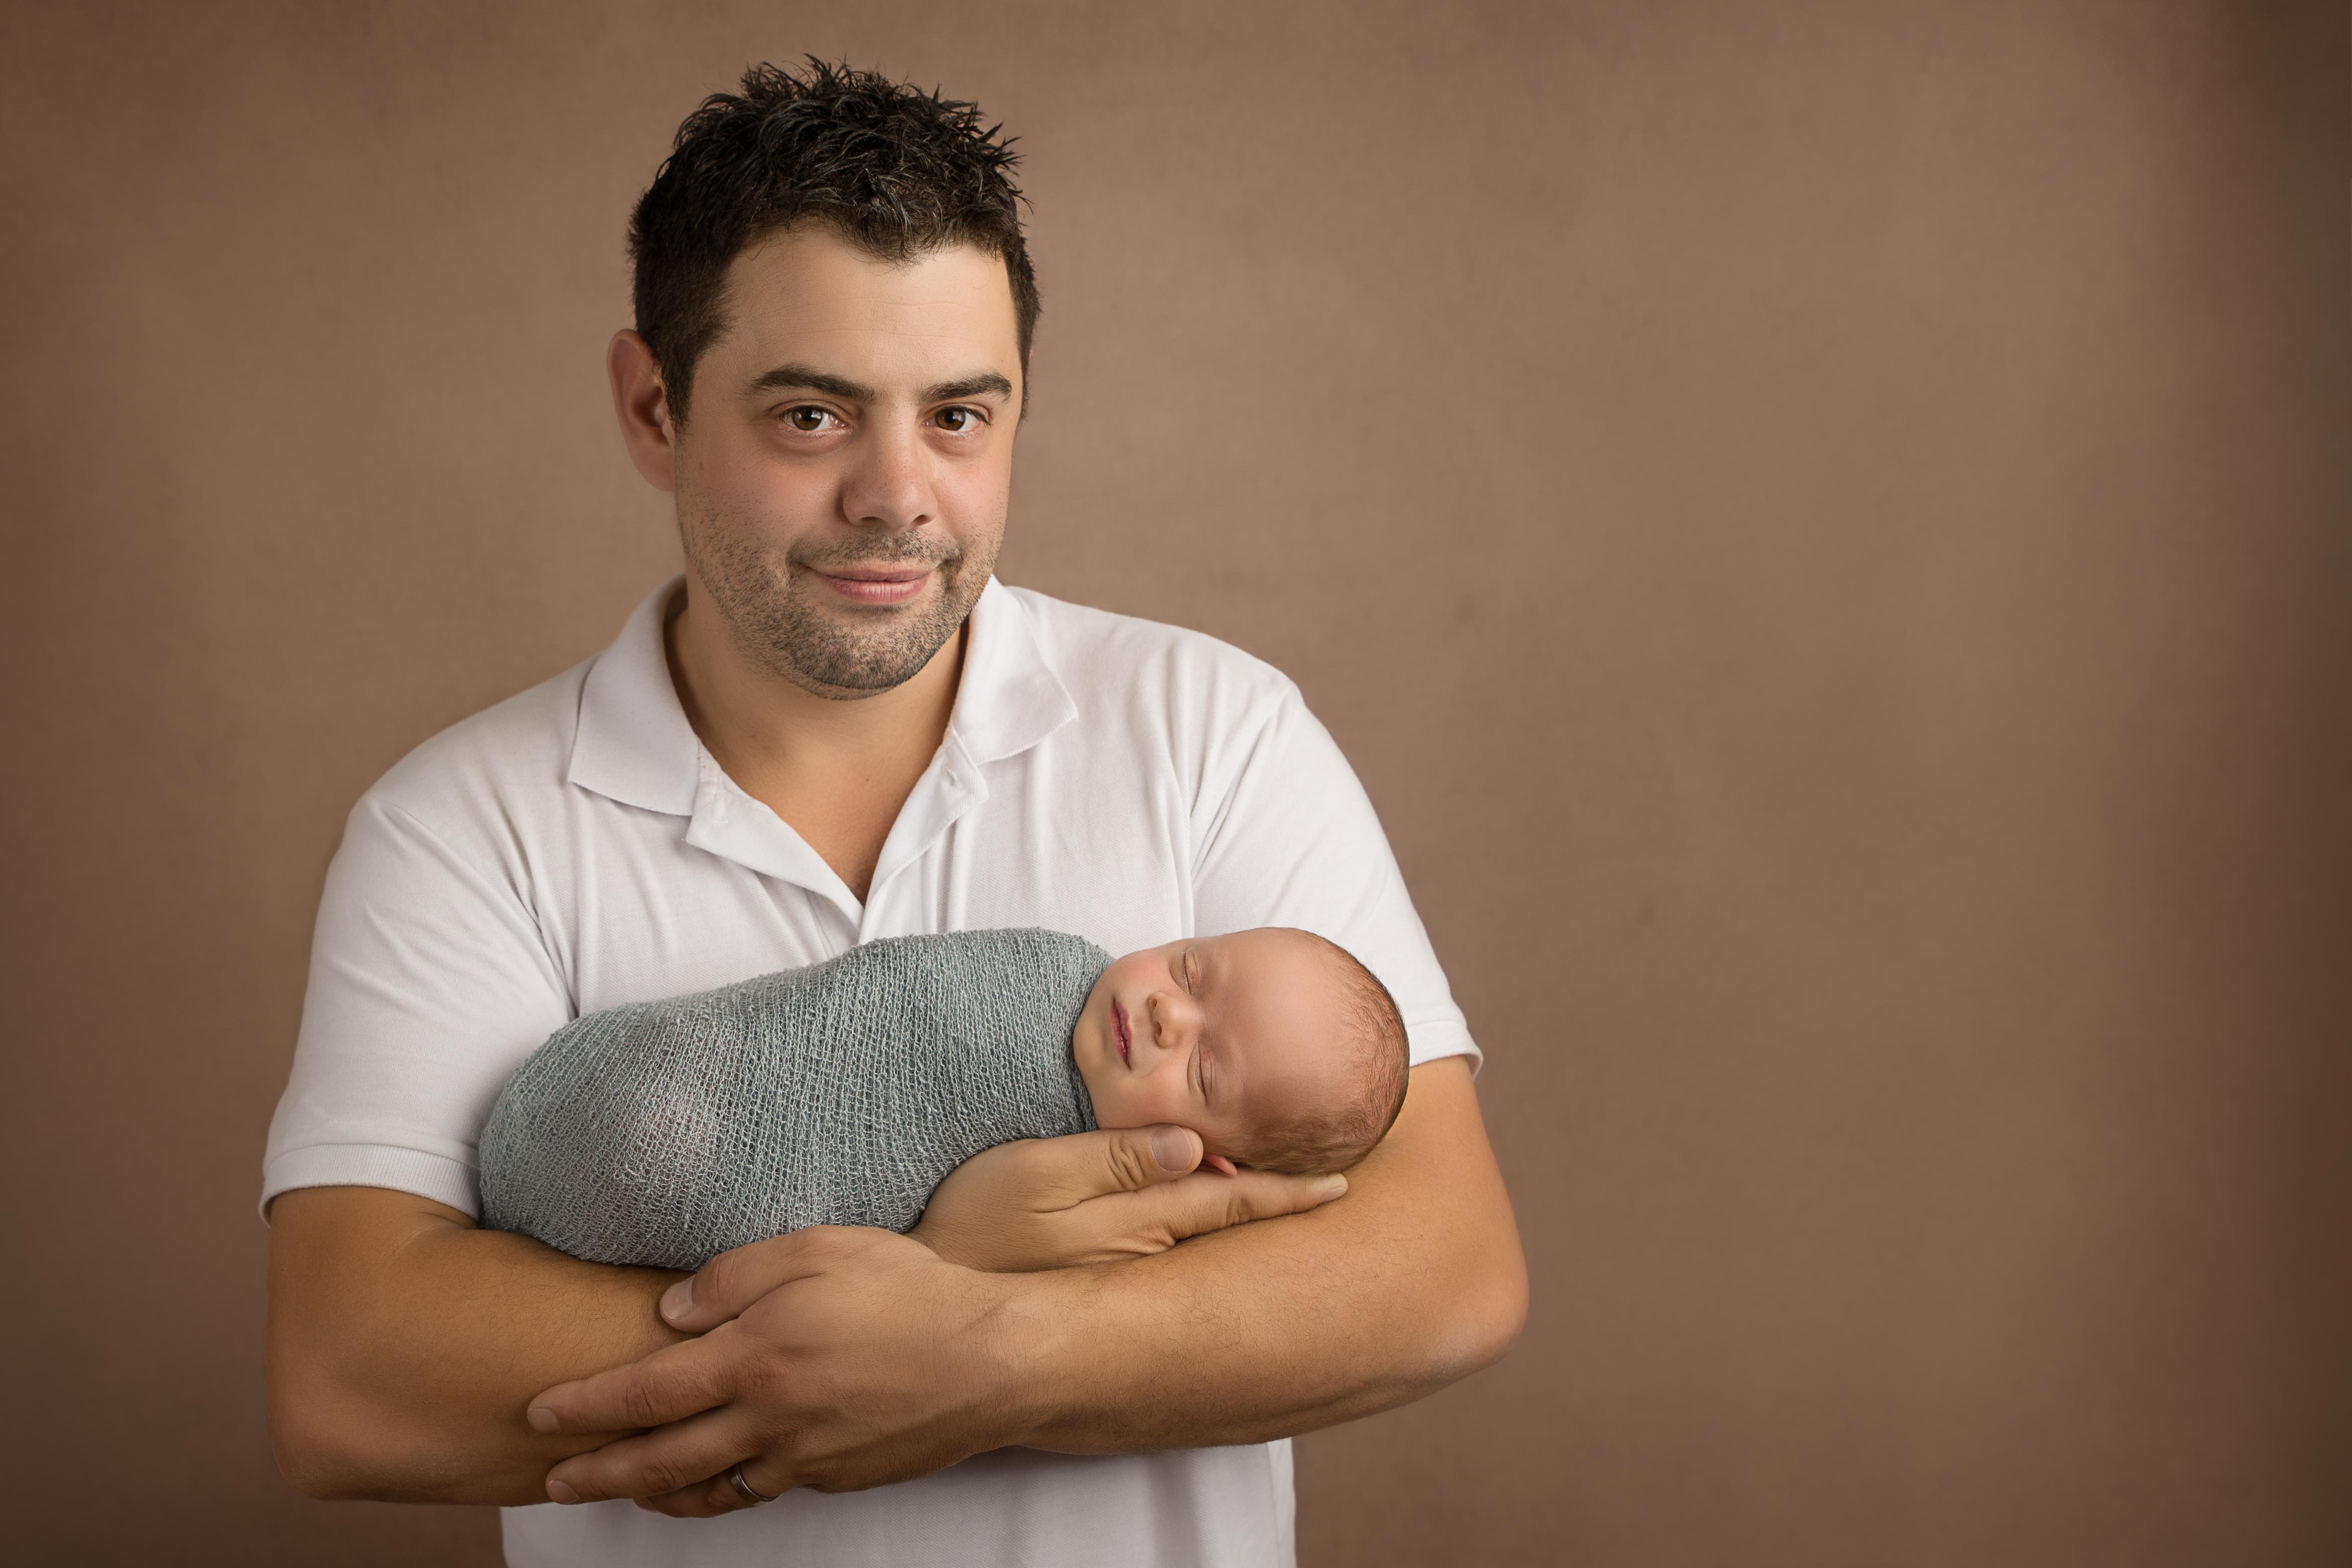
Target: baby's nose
1172	1020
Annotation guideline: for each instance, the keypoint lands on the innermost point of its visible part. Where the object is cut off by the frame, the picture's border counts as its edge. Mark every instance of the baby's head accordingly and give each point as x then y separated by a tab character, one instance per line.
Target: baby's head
1275	1046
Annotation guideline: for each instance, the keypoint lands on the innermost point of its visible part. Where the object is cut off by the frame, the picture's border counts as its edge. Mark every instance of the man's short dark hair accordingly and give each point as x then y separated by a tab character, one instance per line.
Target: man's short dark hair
895	171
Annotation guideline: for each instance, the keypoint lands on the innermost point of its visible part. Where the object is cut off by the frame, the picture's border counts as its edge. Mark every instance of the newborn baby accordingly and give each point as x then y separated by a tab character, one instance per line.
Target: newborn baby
668	1132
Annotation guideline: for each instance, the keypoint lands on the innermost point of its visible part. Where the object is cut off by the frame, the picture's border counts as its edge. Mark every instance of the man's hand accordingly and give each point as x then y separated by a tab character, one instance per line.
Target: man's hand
858	1358
1093	1197
778	1317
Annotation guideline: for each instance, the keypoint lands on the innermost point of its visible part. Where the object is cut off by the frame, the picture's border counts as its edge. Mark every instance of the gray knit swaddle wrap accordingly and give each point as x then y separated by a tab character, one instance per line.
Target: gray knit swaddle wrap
665	1133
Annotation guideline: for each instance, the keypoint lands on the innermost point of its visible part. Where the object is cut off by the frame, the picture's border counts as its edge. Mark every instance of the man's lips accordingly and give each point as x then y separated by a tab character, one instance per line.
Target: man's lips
876	585
1120	1032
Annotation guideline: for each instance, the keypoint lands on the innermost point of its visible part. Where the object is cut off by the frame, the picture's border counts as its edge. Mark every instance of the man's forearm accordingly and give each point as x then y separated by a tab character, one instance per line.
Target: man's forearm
405	1342
840	1359
1412	1280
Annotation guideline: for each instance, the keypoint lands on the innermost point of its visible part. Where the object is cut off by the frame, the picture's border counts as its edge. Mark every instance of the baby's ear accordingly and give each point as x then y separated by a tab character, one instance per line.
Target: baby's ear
1222	1163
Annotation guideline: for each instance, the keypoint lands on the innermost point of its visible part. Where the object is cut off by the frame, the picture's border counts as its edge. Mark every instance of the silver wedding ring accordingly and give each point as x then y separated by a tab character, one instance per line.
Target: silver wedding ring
756	1498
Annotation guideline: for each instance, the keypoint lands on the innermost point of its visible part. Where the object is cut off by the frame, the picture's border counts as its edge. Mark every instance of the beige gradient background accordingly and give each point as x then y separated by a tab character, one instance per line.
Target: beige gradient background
1823	528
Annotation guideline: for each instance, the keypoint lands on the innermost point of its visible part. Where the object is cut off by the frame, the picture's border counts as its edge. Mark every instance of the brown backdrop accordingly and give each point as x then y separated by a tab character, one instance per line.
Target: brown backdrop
1823	528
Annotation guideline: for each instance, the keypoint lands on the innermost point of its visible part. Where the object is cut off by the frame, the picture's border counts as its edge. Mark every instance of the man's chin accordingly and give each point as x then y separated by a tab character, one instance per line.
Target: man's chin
846	683
859	654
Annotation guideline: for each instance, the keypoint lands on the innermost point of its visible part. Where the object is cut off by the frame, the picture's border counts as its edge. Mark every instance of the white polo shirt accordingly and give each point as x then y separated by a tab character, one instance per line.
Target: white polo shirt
575	848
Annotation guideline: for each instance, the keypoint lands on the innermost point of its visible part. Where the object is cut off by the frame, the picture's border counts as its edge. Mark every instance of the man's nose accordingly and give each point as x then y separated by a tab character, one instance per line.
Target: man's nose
888	486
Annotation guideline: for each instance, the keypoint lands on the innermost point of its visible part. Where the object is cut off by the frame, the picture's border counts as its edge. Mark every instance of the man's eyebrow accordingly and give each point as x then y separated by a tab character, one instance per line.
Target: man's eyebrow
970	386
804	378
801	378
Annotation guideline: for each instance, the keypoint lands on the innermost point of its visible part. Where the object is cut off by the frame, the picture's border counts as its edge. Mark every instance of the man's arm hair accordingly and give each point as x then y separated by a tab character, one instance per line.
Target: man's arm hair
404	1342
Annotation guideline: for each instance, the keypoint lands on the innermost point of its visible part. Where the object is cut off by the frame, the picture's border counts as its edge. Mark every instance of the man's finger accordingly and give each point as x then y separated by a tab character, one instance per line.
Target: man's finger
1139	1157
703	1500
1090	1197
670	1385
679	1456
1052	1174
1140	1223
732	1282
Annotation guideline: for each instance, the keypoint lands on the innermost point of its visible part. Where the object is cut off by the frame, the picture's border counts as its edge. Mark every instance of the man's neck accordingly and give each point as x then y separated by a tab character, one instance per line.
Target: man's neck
837	771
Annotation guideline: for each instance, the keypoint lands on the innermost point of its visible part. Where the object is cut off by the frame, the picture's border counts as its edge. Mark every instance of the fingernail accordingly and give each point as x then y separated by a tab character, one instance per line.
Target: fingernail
677	1300
1173	1149
1333	1186
560	1491
542	1420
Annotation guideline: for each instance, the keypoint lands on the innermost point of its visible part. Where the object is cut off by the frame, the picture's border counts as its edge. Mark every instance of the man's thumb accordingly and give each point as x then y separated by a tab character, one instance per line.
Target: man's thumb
1173	1151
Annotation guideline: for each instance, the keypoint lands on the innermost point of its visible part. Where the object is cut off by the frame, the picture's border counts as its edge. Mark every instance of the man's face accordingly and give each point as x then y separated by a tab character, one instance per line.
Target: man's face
843	470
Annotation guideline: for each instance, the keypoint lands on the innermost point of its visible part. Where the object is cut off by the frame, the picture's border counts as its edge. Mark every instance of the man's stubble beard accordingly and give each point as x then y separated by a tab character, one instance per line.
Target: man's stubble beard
751	589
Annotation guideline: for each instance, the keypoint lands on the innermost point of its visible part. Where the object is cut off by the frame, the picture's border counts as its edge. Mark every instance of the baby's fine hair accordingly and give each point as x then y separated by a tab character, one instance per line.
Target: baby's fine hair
1333	1137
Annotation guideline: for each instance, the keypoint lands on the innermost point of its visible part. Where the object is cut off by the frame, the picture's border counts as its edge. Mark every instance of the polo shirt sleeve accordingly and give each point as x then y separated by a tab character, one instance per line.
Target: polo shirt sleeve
1286	836
429	983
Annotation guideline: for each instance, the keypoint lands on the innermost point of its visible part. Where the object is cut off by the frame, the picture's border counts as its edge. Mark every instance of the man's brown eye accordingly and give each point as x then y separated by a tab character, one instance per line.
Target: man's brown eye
962	417
806	418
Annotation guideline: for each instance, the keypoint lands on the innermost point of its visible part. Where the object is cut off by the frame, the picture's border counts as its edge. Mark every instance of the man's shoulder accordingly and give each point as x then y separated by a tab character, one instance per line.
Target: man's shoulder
1107	660
490	761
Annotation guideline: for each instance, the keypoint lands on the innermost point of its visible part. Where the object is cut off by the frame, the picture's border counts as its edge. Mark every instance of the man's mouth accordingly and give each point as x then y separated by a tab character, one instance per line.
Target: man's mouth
1121	1033
875	585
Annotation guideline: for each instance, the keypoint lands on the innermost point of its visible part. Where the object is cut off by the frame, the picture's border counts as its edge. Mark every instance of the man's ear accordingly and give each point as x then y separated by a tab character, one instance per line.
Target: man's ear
641	404
1222	1163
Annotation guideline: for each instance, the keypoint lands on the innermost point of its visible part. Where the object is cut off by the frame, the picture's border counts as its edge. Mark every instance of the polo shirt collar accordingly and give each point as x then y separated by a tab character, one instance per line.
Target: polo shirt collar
1009	698
633	744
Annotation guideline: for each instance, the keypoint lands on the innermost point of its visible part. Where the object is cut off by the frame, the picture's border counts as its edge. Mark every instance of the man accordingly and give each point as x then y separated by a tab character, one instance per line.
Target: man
838	727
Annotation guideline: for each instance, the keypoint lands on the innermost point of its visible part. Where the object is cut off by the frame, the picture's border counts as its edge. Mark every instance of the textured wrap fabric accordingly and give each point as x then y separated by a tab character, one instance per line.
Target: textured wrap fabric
668	1132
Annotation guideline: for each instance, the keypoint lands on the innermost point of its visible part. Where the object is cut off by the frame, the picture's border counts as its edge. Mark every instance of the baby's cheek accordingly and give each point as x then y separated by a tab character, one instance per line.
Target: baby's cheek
1165	1100
1110	1109
1129	1104
1124	1102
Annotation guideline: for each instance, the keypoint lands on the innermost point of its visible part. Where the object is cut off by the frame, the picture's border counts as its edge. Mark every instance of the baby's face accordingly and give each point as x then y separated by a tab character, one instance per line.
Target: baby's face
1221	1034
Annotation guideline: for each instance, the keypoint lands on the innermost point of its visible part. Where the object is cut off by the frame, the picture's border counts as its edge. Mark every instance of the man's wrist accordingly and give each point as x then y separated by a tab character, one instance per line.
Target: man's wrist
1032	1339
